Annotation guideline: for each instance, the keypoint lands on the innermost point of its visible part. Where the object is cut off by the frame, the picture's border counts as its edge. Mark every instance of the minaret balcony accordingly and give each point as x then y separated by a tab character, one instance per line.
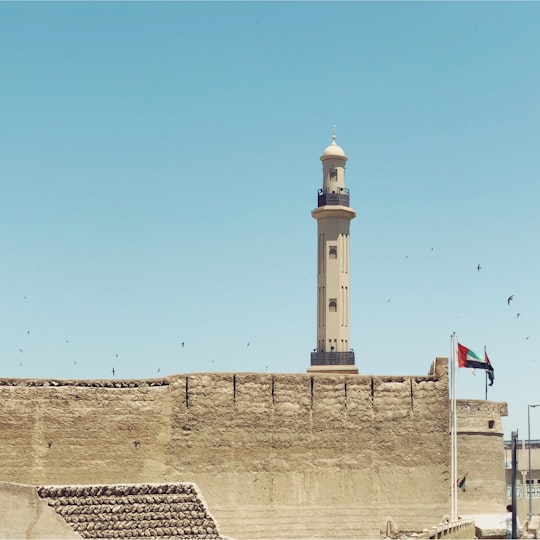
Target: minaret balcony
332	358
339	197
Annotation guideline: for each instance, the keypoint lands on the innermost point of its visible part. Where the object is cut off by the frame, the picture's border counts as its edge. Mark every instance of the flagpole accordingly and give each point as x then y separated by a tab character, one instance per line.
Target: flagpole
486	371
453	431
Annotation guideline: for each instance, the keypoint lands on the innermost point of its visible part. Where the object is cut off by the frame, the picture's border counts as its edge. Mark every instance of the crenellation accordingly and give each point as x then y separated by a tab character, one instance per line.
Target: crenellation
359	403
254	395
328	402
391	398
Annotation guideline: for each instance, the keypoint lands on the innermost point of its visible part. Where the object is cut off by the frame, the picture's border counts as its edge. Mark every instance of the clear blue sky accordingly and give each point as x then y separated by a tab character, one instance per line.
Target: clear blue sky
159	163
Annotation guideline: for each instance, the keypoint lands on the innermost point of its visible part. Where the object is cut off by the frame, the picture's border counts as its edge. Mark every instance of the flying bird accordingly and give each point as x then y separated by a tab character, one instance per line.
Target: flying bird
182	344
479	268
28	332
20	350
510	298
113	371
517	315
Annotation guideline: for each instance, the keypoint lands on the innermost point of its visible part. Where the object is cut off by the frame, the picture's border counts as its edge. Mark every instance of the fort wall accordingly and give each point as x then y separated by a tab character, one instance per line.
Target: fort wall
480	449
275	455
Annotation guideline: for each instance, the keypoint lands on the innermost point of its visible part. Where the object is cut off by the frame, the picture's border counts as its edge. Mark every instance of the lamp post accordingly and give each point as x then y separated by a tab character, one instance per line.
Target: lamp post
514	473
529	436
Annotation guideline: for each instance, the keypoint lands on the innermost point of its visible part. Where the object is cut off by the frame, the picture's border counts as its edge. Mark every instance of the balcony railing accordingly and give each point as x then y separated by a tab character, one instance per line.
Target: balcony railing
523	492
328	197
332	358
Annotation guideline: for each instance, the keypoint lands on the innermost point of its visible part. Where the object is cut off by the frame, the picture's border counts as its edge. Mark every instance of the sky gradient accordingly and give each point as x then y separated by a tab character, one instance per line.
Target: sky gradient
160	162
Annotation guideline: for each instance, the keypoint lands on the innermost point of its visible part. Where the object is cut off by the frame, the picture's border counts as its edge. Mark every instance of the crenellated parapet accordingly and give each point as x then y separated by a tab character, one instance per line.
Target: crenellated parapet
480	416
95	383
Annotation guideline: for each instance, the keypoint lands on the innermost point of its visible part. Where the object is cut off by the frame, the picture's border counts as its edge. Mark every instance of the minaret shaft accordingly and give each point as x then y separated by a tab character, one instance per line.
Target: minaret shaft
333	286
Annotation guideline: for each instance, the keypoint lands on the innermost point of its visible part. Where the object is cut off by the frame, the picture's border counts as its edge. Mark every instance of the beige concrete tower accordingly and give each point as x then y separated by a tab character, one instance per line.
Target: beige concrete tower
333	214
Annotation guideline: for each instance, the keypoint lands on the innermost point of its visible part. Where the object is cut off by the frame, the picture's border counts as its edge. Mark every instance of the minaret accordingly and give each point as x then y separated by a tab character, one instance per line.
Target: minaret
333	214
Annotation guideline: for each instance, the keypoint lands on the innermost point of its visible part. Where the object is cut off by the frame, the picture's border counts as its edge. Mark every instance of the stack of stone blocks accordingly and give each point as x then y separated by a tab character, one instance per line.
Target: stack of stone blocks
134	511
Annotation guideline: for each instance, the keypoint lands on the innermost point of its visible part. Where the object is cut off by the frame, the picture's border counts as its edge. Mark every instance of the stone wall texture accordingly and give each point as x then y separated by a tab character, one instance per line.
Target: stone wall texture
275	455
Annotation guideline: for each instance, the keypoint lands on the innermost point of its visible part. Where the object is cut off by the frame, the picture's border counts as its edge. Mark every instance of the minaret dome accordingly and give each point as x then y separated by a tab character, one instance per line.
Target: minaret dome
333	150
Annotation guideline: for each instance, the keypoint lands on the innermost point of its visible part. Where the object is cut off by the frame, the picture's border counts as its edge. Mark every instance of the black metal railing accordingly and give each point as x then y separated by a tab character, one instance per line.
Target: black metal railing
332	358
327	196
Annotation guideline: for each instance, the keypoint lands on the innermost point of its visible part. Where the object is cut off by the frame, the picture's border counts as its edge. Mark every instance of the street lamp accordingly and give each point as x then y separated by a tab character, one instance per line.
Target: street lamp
529	434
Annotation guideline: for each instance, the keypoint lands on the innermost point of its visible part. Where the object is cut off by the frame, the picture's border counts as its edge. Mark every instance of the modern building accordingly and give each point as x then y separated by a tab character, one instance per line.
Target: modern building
333	353
527	487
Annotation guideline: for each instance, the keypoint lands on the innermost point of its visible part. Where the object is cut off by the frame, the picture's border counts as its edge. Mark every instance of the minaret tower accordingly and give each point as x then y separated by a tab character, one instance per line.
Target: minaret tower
333	214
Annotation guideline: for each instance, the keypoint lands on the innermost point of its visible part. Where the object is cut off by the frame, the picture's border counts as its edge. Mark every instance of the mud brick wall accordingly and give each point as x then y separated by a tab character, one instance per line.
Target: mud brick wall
254	443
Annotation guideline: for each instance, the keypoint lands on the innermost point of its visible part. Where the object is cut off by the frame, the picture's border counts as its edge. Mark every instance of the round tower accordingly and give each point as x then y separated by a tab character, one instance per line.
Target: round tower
333	353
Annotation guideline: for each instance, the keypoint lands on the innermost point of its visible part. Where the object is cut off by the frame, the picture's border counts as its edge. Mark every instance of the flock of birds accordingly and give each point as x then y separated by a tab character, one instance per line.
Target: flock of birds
116	356
182	344
508	300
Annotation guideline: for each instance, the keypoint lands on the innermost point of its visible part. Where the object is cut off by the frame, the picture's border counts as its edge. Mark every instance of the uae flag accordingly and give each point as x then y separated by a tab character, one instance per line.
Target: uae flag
468	359
461	481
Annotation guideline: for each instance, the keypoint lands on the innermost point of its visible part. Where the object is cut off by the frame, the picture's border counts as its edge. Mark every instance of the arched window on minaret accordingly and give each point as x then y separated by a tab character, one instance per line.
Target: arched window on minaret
332	305
332	252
